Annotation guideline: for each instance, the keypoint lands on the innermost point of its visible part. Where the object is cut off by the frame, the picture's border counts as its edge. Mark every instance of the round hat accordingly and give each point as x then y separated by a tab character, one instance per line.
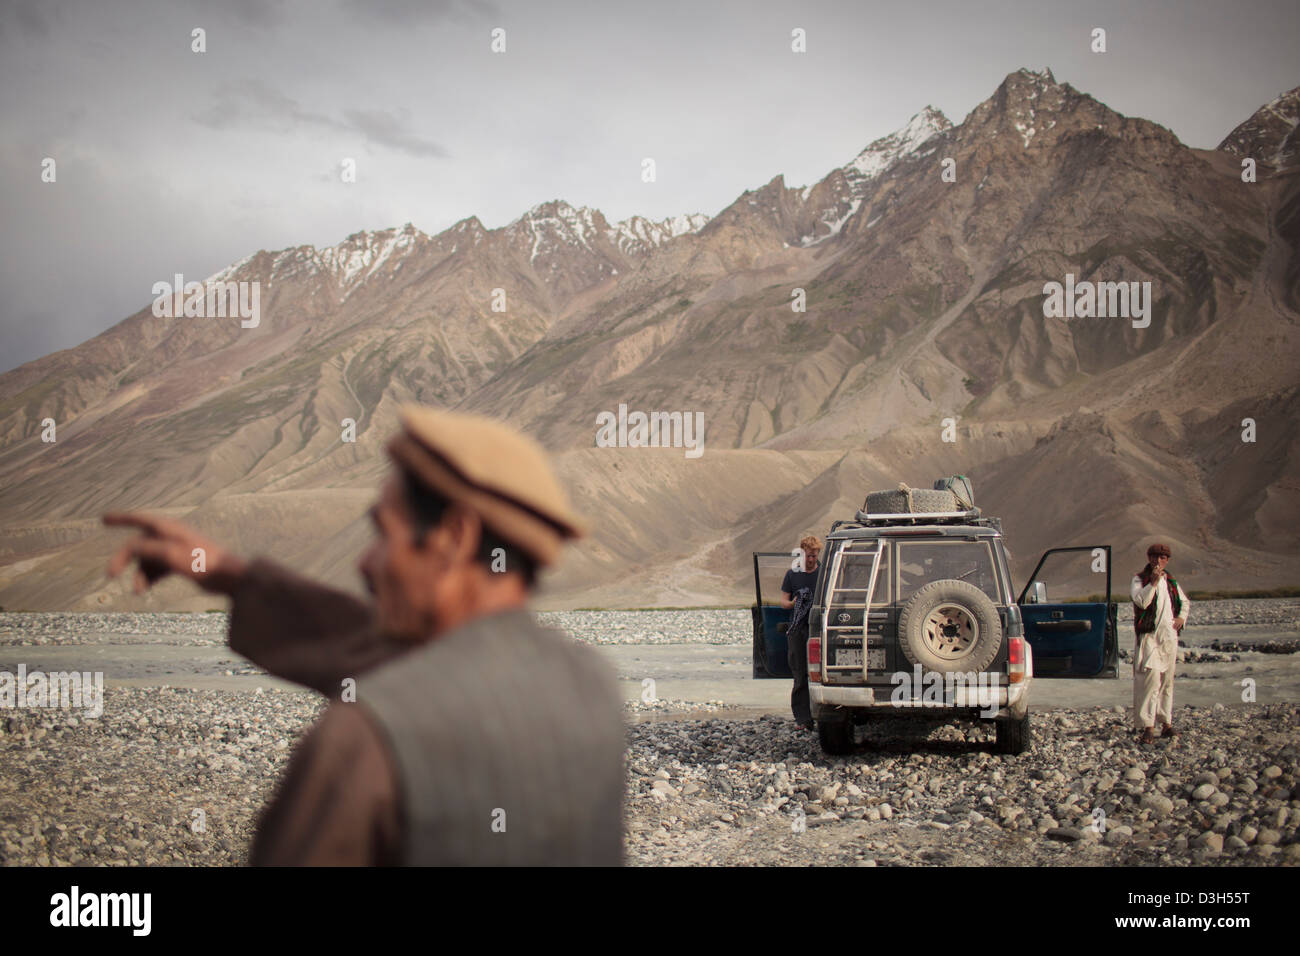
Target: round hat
501	474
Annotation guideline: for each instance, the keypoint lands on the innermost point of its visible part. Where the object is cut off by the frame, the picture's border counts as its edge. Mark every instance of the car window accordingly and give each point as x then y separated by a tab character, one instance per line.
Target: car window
920	562
771	568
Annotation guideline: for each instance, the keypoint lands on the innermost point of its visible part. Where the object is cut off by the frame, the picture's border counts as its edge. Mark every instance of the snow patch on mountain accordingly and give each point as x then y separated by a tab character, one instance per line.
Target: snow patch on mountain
1026	131
917	138
552	225
833	224
362	254
230	271
1271	133
888	150
639	234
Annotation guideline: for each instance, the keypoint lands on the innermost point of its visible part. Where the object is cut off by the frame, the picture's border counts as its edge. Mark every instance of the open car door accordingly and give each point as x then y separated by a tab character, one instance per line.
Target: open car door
1071	628
770	619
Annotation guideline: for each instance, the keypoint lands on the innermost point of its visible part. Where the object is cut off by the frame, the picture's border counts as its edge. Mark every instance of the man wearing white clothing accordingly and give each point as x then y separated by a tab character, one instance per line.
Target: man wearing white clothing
1159	612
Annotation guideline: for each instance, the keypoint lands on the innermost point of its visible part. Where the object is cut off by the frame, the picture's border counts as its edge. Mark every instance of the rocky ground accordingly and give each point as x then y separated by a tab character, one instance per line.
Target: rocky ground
177	776
700	626
170	776
163	776
1224	792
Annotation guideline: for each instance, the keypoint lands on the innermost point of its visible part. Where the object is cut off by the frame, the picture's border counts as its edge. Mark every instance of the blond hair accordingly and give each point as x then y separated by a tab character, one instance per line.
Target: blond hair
810	541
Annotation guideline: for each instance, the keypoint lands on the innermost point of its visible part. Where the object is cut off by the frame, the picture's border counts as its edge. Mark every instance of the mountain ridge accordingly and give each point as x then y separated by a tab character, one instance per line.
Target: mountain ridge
924	306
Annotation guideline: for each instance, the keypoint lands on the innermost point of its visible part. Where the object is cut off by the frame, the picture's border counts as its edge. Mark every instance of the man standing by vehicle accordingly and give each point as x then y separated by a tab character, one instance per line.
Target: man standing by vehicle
1159	612
796	594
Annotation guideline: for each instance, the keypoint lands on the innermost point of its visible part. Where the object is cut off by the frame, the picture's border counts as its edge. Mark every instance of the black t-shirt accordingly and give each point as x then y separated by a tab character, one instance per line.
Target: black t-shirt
794	580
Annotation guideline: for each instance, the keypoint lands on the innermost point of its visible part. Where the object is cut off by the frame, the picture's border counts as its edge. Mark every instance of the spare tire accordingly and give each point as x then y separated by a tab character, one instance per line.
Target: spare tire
923	500
948	627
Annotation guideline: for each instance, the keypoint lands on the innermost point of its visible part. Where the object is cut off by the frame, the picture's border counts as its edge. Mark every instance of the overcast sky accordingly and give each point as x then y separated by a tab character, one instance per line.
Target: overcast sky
174	161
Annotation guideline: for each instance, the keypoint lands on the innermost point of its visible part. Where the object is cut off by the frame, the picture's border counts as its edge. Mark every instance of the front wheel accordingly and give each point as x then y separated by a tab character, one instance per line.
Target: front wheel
1013	735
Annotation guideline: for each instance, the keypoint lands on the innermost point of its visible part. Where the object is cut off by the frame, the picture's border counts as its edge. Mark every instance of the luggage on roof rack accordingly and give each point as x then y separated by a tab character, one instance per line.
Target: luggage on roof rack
949	495
908	500
973	518
961	488
928	517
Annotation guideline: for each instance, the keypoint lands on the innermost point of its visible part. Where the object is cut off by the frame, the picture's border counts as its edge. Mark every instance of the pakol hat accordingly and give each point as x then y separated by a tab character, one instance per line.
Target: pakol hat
497	472
1158	549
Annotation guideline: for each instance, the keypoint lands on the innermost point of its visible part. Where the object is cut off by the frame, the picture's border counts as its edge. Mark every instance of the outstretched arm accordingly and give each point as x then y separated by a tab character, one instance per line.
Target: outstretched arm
293	627
303	631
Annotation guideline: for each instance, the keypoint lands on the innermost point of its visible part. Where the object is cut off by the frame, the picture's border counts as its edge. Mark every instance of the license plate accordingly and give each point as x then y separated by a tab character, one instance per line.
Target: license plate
852	657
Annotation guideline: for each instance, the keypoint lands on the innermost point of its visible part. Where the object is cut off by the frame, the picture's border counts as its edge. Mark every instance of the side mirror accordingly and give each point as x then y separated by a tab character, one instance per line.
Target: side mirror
1037	593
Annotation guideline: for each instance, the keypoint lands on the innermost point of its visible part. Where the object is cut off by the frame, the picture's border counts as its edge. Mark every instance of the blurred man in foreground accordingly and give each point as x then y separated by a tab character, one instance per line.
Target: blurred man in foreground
476	736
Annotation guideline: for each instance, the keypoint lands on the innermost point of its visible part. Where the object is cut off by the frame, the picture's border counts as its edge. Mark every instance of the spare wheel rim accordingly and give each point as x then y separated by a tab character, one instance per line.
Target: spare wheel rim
950	631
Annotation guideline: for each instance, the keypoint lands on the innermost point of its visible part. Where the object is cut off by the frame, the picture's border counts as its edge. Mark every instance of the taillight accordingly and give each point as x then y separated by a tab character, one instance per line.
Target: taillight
1015	660
815	660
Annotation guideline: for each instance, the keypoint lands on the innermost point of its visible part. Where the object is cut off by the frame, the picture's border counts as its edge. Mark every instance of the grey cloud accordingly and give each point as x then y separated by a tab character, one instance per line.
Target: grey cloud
418	11
253	103
27	18
256	12
382	127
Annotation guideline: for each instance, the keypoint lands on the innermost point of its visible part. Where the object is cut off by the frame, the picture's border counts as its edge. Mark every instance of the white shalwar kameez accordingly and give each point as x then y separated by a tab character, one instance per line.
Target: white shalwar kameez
1156	655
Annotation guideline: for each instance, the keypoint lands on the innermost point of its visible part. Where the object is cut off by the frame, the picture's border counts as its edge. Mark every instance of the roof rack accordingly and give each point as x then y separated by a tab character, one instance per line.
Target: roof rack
971	518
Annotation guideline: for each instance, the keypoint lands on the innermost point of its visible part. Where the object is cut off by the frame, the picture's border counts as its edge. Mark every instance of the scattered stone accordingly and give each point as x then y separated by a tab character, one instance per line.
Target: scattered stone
1209	841
1065	834
1159	805
1268	838
1118	836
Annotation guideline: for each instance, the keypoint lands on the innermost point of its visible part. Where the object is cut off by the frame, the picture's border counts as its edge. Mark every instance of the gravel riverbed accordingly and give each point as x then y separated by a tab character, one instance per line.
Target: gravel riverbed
701	626
760	792
177	777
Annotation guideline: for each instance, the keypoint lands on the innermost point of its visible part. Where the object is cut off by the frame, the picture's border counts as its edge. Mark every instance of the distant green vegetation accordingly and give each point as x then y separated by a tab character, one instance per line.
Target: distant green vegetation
1226	595
698	607
1233	595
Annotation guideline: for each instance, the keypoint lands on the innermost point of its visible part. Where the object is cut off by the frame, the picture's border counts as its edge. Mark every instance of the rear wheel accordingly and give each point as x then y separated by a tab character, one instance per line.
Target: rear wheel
836	735
1013	735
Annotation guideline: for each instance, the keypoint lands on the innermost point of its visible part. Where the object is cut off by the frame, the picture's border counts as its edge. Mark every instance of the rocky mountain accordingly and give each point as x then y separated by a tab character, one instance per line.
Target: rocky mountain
923	348
1270	134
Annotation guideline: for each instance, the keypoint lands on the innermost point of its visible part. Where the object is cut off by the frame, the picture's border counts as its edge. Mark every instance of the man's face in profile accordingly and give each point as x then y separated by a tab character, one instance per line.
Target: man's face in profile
400	573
